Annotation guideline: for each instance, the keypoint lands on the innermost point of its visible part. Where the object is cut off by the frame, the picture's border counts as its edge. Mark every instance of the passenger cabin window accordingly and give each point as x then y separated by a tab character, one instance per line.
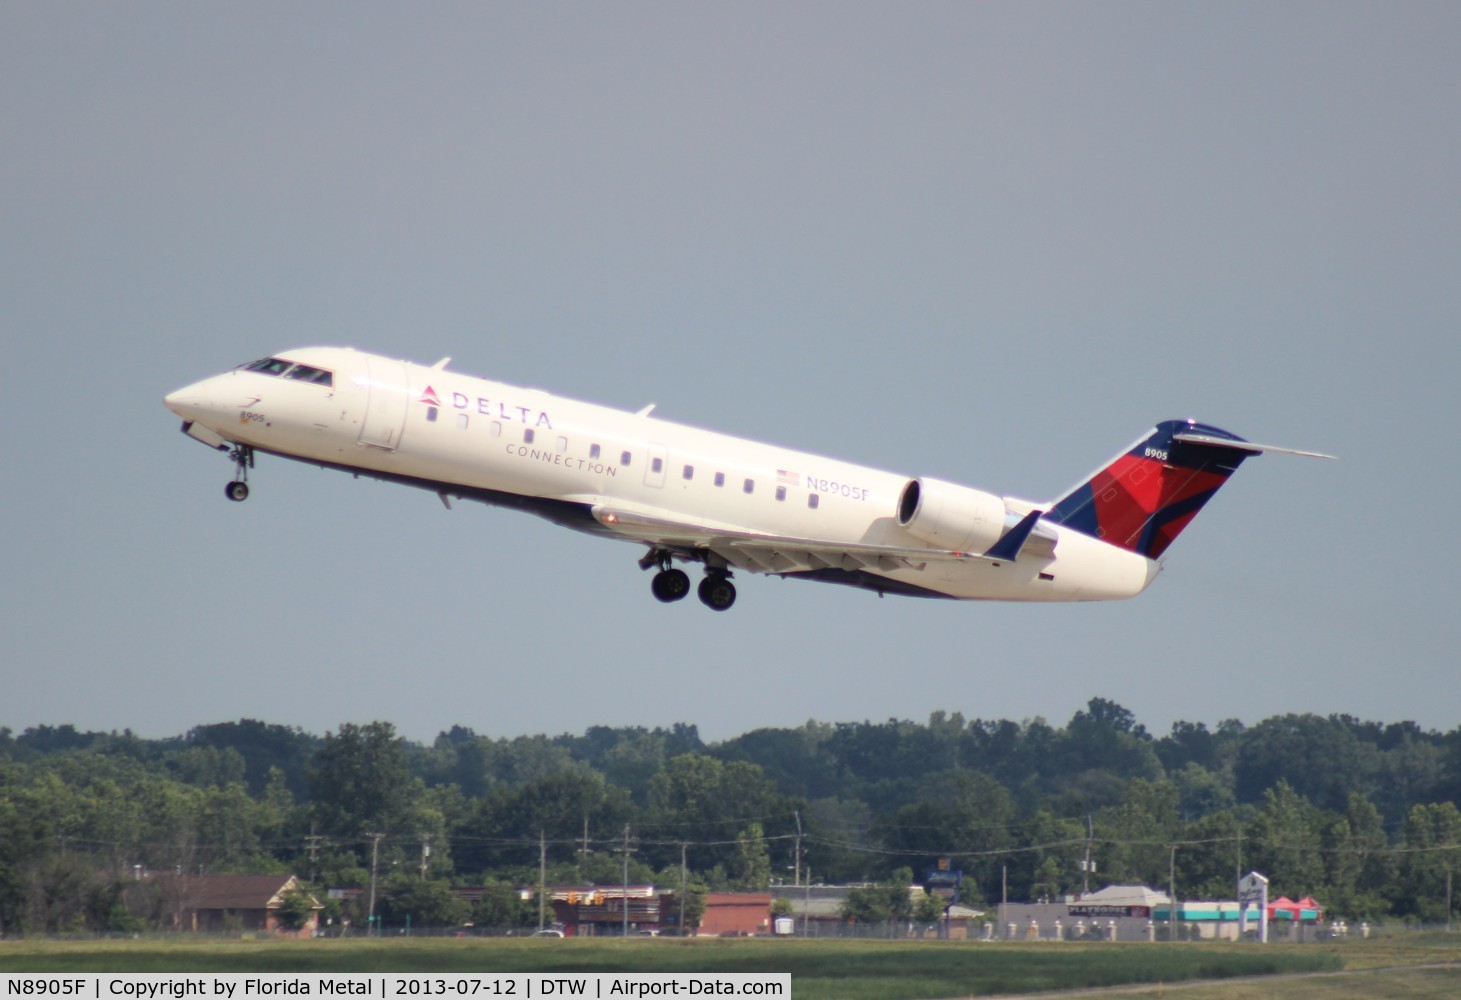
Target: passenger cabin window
813	500
496	430
527	435
624	458
720	479
462	421
749	486
593	451
562	443
657	464
689	472
781	492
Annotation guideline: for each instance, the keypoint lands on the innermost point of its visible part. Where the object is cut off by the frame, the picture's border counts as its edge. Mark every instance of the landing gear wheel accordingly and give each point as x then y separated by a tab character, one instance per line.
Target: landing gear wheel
717	593
670	585
243	461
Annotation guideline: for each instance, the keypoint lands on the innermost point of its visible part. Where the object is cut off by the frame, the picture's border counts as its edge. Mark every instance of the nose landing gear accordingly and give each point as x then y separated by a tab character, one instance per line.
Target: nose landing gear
243	461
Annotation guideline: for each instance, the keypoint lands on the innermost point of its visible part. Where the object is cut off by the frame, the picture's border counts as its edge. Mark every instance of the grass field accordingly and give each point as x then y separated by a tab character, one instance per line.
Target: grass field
851	970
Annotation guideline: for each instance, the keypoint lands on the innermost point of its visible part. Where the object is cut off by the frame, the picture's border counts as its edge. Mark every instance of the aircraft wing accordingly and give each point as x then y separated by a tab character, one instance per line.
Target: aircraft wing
763	553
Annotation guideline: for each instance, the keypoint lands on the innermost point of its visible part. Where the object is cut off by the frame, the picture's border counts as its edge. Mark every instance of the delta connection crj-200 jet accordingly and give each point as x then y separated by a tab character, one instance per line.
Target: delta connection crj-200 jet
700	497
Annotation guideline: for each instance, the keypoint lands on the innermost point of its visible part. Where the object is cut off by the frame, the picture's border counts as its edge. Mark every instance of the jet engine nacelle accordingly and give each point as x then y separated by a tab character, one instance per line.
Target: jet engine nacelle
951	516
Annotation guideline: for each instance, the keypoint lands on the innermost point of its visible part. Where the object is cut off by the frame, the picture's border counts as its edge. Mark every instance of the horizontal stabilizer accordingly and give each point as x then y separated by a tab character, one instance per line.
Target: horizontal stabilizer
1248	446
1012	541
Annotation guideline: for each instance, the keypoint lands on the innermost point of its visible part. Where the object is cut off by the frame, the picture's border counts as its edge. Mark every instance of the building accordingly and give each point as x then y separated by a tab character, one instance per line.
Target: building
1117	912
735	914
218	904
604	910
816	911
1287	918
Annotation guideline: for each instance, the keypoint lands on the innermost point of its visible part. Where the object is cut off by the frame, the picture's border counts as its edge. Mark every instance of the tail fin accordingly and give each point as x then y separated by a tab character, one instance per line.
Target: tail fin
1143	498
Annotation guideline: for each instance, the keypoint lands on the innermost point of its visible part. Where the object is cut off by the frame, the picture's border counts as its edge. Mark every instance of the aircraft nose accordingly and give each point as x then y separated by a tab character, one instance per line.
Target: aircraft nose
208	401
184	402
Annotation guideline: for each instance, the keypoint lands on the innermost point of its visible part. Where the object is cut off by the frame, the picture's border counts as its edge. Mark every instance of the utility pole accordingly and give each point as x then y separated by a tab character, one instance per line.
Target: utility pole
683	888
1004	893
624	899
1238	836
797	870
1172	890
1448	899
1086	864
374	867
542	877
312	844
807	903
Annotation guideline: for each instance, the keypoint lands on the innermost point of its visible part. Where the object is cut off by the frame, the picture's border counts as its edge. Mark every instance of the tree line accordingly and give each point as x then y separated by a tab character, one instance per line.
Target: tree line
1359	814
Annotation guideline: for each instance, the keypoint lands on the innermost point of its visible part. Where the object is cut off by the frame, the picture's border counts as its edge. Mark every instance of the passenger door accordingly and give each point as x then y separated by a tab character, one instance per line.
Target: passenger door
385	407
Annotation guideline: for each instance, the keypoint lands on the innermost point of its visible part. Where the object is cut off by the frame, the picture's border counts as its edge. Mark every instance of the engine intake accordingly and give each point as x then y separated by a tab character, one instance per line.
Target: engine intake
951	516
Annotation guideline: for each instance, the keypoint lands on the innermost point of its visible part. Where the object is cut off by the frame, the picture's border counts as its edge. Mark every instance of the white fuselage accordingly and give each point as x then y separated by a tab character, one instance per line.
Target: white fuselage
573	461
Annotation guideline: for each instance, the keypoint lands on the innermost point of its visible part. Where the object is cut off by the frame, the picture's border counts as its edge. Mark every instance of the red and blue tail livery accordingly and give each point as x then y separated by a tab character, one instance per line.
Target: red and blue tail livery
1144	497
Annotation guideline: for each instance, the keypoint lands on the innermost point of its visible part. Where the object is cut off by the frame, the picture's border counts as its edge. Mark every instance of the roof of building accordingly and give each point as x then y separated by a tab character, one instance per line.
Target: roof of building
227	892
1122	895
761	900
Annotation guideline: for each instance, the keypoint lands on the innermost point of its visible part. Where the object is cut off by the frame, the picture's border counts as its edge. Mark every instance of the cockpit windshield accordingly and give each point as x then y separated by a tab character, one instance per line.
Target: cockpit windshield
290	370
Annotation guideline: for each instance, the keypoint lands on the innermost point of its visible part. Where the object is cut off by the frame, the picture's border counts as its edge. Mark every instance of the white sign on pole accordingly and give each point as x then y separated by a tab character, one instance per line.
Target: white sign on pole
1253	888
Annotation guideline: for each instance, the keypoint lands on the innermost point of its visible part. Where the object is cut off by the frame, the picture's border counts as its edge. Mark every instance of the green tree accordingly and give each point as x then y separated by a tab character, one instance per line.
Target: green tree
1138	832
928	908
1358	862
415	902
1323	760
1430	858
1286	840
359	781
751	868
698	798
888	902
296	908
503	908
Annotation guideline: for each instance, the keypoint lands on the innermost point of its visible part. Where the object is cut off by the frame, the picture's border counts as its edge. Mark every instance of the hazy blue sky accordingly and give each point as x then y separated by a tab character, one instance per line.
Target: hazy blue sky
984	242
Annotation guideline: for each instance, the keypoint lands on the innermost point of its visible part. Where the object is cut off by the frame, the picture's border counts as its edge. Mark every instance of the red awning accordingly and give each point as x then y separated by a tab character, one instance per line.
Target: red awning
1283	908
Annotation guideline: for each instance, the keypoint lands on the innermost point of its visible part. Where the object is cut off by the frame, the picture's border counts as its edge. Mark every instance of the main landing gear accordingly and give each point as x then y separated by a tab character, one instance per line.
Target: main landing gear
243	461
716	591
670	584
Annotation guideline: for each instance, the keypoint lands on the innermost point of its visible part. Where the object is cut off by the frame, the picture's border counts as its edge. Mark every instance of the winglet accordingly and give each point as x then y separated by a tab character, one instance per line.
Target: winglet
1009	545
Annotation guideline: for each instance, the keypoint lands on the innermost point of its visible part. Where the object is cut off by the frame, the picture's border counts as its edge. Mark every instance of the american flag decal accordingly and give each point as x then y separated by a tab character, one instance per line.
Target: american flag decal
787	478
